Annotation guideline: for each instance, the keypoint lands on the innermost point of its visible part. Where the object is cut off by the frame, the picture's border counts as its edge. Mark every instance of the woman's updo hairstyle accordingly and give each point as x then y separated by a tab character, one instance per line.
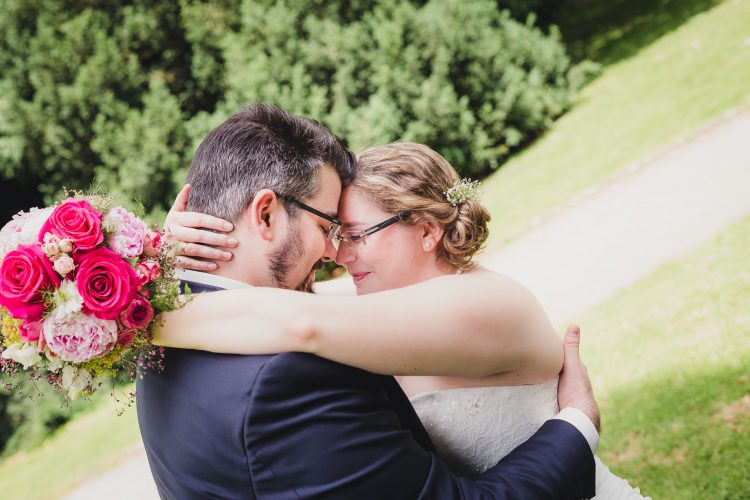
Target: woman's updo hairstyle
407	176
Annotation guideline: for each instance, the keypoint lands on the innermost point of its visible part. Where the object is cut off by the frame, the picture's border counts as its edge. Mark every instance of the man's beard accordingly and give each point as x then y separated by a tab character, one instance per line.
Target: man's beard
283	260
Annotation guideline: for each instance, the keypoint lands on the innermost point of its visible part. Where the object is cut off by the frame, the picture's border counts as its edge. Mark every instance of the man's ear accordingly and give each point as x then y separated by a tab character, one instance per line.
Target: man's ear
265	212
431	234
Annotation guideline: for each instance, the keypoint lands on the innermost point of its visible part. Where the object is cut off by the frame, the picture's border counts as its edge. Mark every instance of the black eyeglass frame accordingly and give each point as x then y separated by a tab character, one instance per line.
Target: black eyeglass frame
374	229
335	223
308	208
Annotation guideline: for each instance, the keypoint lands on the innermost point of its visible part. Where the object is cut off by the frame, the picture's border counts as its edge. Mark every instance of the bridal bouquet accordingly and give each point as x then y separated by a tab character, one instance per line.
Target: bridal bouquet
80	285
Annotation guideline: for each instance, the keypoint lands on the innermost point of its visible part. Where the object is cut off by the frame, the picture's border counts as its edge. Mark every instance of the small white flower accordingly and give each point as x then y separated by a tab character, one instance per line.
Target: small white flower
66	245
26	354
54	363
64	264
51	245
74	380
67	299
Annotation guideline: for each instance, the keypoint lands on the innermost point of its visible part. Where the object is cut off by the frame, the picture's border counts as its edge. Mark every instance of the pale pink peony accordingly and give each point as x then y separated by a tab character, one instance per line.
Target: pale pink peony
128	232
78	338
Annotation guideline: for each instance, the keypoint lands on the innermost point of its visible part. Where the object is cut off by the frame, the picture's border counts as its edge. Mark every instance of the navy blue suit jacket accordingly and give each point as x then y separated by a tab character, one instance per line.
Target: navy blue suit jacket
298	426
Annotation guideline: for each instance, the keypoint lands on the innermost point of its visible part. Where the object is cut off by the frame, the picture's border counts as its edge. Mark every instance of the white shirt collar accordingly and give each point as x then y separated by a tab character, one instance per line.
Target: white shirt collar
209	279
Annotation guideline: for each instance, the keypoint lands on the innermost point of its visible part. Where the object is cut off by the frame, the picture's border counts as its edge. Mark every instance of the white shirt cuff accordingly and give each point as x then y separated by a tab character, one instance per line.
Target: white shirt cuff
580	421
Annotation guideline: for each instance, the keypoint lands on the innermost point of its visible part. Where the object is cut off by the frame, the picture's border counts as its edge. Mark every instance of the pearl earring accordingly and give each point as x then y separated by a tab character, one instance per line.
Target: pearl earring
427	244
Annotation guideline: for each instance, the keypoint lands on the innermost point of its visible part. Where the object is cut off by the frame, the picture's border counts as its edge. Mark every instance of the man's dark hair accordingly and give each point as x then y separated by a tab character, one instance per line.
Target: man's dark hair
263	147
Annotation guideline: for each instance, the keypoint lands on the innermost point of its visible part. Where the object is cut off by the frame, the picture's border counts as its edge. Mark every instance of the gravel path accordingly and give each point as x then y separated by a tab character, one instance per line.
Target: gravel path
600	242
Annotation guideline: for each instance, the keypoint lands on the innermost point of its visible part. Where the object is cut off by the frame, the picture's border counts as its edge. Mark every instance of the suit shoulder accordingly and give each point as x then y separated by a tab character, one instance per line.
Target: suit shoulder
308	372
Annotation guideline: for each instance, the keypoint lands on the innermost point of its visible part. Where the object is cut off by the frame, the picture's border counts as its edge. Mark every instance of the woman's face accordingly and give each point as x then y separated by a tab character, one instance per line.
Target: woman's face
390	258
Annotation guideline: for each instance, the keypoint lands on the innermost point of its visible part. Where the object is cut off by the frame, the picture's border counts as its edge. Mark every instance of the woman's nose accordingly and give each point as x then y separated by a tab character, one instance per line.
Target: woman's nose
345	255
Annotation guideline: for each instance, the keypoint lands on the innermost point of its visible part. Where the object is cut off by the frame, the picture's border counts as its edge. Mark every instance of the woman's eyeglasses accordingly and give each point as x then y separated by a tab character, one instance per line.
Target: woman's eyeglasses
356	238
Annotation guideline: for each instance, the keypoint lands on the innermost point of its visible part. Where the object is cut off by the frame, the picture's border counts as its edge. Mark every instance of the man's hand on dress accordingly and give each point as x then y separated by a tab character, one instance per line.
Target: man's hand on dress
574	388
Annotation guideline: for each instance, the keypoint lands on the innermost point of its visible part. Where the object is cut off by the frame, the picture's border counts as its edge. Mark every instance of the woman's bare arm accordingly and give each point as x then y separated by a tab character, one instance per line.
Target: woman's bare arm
473	325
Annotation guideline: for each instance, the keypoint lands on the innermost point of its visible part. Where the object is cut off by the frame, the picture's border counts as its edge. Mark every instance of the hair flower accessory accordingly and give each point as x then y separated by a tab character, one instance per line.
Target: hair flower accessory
463	190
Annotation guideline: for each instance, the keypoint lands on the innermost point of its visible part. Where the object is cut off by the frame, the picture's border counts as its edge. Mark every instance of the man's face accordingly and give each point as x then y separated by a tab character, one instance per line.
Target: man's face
293	265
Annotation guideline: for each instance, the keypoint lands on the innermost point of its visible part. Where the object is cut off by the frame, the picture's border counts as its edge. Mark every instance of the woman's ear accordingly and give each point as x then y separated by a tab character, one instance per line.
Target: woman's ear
432	232
265	212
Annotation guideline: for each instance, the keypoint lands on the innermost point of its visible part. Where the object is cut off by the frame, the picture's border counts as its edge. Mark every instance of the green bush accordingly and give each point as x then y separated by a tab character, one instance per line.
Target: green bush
121	92
463	77
101	90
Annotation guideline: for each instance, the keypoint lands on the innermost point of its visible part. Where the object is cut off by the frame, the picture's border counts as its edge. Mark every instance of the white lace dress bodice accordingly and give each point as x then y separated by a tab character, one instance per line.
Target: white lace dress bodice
473	428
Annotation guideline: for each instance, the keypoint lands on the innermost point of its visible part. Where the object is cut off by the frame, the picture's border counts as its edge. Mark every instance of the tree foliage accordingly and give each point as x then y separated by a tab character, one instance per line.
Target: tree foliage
122	92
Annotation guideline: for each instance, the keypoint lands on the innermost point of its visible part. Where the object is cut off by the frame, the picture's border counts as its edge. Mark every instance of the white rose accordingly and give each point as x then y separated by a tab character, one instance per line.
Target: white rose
26	354
64	264
74	380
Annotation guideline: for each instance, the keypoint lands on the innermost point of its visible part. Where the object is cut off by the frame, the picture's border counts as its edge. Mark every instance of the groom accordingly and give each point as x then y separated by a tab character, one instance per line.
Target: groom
294	425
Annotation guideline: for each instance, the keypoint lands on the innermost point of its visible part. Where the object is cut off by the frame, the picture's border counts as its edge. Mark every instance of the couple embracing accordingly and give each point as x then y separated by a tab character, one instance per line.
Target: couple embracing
438	380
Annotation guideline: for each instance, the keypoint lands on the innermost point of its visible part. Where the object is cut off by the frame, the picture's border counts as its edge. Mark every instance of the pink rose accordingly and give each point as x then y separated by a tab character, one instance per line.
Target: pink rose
76	220
148	270
127	337
79	338
127	232
29	331
138	314
24	273
106	282
152	243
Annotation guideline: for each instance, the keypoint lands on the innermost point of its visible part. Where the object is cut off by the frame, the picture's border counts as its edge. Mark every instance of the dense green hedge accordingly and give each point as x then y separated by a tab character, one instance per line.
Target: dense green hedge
121	92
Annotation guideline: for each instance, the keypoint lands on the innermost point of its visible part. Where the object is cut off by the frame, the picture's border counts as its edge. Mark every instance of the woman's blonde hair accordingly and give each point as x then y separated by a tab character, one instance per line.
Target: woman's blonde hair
406	176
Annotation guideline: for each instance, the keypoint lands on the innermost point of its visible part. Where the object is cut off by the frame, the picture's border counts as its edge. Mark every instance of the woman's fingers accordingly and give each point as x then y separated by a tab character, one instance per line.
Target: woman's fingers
180	203
204	221
194	264
203	251
190	235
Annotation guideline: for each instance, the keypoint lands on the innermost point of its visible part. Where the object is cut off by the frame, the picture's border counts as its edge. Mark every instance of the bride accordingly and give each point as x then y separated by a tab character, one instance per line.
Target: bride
473	349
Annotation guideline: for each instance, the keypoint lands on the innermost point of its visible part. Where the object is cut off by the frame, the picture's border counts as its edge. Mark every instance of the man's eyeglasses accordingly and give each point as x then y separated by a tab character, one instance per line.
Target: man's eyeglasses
335	223
356	238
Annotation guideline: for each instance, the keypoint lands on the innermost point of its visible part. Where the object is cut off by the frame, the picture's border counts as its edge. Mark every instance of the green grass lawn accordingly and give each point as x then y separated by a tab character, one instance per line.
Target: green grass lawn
670	362
666	90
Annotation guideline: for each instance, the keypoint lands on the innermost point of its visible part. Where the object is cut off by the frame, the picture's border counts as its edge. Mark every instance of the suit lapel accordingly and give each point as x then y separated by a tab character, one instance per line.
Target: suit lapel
405	411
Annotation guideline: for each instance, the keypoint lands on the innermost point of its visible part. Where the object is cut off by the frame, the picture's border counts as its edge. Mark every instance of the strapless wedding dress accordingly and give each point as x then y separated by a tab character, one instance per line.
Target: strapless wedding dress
472	429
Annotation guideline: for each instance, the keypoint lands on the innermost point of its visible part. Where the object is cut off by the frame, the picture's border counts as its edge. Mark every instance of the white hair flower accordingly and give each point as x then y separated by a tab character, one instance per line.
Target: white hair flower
462	190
